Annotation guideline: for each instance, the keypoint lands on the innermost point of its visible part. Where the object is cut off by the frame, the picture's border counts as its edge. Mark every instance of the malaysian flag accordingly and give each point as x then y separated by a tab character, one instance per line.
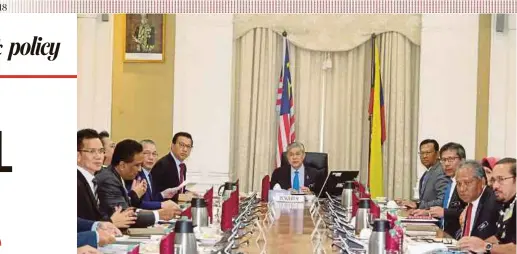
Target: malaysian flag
285	107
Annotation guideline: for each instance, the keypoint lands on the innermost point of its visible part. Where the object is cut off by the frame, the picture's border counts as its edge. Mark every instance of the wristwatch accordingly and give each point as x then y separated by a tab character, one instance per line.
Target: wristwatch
488	248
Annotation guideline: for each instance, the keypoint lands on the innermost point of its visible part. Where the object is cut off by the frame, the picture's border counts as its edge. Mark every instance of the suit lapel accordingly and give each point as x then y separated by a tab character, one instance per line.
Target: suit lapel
478	211
88	190
121	185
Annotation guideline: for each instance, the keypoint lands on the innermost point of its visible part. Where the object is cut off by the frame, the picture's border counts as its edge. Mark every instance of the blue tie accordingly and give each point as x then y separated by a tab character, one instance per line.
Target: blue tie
296	181
445	199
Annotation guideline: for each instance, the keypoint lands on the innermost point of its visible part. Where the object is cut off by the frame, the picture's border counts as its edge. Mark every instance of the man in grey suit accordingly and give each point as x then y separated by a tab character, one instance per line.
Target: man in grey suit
433	181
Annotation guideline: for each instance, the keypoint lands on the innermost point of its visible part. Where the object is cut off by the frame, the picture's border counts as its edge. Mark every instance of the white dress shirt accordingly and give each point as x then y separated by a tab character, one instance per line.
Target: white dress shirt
178	162
89	179
475	204
453	186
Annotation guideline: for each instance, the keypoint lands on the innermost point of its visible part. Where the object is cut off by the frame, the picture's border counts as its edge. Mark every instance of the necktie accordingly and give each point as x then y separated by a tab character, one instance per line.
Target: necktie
150	183
445	200
94	181
183	168
466	228
422	186
296	181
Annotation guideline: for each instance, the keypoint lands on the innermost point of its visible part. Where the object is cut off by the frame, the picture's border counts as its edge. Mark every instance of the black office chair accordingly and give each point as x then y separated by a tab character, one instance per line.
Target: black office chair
318	161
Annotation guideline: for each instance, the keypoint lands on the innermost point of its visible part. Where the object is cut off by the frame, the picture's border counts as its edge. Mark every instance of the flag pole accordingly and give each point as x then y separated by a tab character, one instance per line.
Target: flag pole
370	106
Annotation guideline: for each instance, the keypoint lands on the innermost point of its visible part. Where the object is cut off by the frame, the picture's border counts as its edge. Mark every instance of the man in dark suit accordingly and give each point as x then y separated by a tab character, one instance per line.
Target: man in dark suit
296	176
90	154
170	170
503	182
452	155
433	182
152	198
480	216
126	163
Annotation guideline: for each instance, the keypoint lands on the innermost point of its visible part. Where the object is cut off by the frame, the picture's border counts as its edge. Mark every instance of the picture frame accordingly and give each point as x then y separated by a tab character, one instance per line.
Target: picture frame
144	39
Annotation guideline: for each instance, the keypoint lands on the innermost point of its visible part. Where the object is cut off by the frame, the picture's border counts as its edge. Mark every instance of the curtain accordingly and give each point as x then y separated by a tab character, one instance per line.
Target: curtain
331	118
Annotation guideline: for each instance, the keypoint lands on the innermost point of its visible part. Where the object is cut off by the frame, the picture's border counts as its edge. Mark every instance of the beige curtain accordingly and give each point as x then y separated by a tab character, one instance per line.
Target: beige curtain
331	93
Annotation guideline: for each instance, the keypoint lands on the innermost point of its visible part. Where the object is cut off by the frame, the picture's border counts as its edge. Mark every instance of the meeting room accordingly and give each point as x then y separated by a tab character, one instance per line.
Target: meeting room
296	133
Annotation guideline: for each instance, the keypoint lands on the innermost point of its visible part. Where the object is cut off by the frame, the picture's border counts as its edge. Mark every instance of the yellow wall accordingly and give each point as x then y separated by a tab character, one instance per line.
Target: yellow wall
143	92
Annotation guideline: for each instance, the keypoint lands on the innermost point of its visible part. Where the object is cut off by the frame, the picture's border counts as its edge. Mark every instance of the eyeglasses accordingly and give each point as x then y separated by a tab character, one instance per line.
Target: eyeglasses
182	145
155	154
499	179
450	159
94	151
425	153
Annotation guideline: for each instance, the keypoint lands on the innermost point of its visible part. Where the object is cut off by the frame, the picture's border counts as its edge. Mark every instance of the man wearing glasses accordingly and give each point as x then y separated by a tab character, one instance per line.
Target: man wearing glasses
480	216
152	199
433	182
170	171
90	154
452	156
503	183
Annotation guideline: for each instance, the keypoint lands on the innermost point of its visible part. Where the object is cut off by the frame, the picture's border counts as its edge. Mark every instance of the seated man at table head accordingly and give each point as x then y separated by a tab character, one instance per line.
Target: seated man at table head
108	145
503	183
433	182
90	154
126	163
170	170
296	176
480	212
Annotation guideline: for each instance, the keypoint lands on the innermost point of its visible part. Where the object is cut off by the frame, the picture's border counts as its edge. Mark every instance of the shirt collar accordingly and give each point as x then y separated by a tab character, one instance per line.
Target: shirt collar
301	169
146	172
178	162
476	202
89	177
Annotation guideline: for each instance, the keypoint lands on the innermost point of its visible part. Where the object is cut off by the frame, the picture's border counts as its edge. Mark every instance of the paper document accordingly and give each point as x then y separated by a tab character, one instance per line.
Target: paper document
183	184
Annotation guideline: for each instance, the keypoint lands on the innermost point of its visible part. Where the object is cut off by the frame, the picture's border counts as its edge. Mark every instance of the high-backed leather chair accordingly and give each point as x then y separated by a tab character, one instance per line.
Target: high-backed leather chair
319	161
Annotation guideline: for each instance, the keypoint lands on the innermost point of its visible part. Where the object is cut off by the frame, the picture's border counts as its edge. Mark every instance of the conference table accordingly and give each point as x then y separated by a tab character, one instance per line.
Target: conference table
289	233
292	230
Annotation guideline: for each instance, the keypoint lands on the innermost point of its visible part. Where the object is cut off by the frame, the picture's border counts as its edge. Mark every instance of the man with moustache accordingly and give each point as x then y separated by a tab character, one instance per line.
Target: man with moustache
452	156
503	183
433	181
126	163
480	218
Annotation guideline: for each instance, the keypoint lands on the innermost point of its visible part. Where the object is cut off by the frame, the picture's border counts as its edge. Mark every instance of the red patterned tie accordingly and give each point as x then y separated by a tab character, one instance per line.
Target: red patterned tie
182	175
466	228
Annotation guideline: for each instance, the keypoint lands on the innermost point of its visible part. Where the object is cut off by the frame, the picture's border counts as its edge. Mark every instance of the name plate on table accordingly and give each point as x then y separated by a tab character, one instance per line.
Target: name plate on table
290	199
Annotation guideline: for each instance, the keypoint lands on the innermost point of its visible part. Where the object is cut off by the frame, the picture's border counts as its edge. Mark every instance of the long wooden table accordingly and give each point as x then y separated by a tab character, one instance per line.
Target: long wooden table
290	233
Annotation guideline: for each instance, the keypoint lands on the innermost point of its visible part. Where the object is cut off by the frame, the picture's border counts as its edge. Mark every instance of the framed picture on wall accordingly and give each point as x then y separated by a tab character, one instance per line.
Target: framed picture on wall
144	38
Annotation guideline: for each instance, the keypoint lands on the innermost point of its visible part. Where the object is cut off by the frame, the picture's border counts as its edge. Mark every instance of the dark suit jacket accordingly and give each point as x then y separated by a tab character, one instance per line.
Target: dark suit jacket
313	178
152	199
112	193
484	225
84	225
87	238
165	174
87	207
451	214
